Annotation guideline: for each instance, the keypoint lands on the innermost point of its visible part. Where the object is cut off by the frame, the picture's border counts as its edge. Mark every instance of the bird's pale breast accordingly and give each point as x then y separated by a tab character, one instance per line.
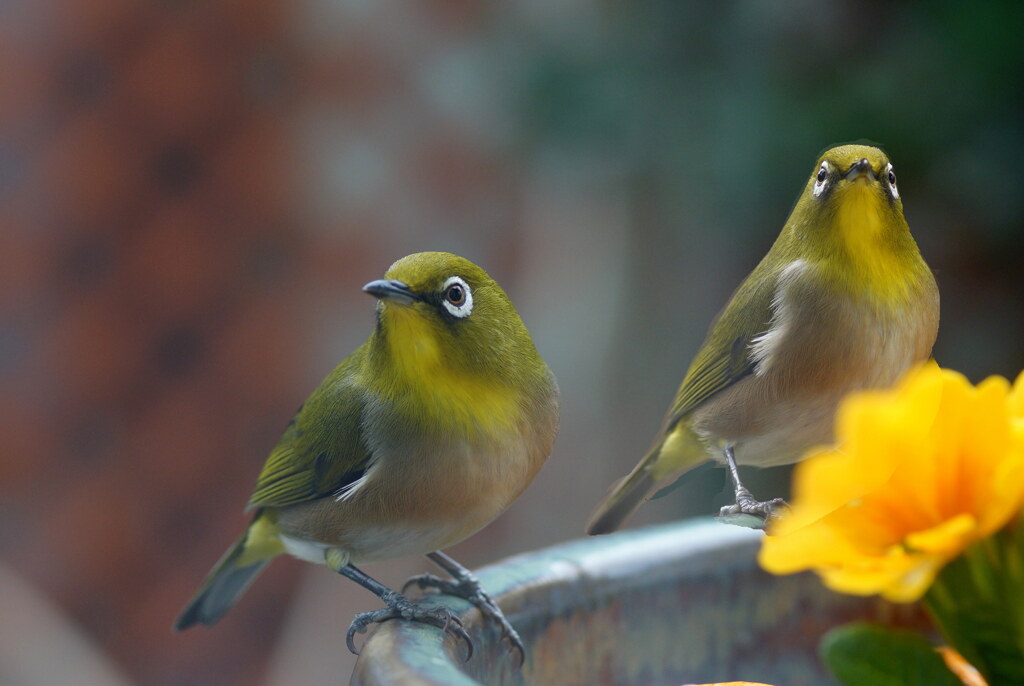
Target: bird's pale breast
422	491
821	346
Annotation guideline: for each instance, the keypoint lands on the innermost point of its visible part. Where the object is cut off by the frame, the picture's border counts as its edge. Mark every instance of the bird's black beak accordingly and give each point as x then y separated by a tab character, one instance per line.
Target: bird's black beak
389	289
862	166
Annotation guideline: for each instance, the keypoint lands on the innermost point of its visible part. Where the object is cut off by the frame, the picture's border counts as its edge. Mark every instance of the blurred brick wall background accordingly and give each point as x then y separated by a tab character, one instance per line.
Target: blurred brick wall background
152	260
192	194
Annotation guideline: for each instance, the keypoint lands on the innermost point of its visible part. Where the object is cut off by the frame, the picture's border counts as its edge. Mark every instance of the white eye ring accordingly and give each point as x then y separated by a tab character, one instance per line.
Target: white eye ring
821	180
890	181
457	306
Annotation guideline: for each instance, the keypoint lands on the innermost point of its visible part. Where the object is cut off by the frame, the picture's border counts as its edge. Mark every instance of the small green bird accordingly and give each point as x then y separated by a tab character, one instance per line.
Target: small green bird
417	440
842	301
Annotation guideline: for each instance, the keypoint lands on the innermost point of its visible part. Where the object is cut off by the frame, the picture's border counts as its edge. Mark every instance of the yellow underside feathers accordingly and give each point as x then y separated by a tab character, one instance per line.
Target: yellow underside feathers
680	451
262	541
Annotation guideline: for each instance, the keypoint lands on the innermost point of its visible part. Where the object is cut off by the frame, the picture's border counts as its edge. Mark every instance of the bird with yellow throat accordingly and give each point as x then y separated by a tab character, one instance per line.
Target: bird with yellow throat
842	301
417	440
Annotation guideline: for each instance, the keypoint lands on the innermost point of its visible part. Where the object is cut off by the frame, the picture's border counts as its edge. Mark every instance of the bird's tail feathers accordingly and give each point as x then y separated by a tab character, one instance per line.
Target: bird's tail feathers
676	453
232	574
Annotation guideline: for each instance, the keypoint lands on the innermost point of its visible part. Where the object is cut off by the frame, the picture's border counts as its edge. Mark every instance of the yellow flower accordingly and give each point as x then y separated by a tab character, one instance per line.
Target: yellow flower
919	473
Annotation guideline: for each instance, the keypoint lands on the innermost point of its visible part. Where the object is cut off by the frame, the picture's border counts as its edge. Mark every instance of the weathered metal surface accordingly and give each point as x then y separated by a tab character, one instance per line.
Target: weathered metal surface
667	605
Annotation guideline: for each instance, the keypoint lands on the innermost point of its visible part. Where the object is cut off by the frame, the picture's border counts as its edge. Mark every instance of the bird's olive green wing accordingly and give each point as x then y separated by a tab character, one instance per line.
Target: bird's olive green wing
322	449
725	356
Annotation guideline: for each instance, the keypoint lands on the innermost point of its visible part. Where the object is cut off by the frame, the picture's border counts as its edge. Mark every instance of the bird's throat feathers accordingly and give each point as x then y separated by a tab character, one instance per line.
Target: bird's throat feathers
873	238
430	386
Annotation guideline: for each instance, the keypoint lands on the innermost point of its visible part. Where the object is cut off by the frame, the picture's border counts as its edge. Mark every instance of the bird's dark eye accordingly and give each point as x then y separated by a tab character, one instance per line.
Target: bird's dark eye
455	295
890	176
821	180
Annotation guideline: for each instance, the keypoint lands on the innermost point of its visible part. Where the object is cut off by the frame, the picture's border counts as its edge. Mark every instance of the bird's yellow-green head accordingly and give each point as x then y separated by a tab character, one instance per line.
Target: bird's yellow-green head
850	219
450	346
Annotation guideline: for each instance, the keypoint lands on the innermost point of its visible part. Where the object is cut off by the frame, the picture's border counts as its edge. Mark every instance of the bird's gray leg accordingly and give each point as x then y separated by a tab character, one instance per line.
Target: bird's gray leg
398	607
464	584
746	503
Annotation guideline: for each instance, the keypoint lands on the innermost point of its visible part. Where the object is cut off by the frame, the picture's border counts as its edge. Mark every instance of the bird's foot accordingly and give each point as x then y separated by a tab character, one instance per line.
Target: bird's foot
465	585
400	607
746	504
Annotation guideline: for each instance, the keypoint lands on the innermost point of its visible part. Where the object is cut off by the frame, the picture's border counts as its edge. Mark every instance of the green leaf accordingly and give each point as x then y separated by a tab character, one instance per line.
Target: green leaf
862	654
977	601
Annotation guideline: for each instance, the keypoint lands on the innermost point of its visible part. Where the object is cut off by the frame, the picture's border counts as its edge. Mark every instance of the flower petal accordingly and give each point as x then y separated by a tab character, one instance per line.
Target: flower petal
919	473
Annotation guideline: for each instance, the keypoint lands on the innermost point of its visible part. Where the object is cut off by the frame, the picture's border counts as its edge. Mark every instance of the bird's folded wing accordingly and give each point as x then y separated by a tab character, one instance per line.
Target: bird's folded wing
726	357
321	452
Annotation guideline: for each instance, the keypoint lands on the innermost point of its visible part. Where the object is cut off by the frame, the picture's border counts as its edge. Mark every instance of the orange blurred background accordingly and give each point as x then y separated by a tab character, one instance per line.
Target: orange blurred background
192	194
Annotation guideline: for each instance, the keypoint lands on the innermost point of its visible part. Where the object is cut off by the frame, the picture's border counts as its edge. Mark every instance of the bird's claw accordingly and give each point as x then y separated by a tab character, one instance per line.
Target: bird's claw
425	581
468	587
399	607
746	504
